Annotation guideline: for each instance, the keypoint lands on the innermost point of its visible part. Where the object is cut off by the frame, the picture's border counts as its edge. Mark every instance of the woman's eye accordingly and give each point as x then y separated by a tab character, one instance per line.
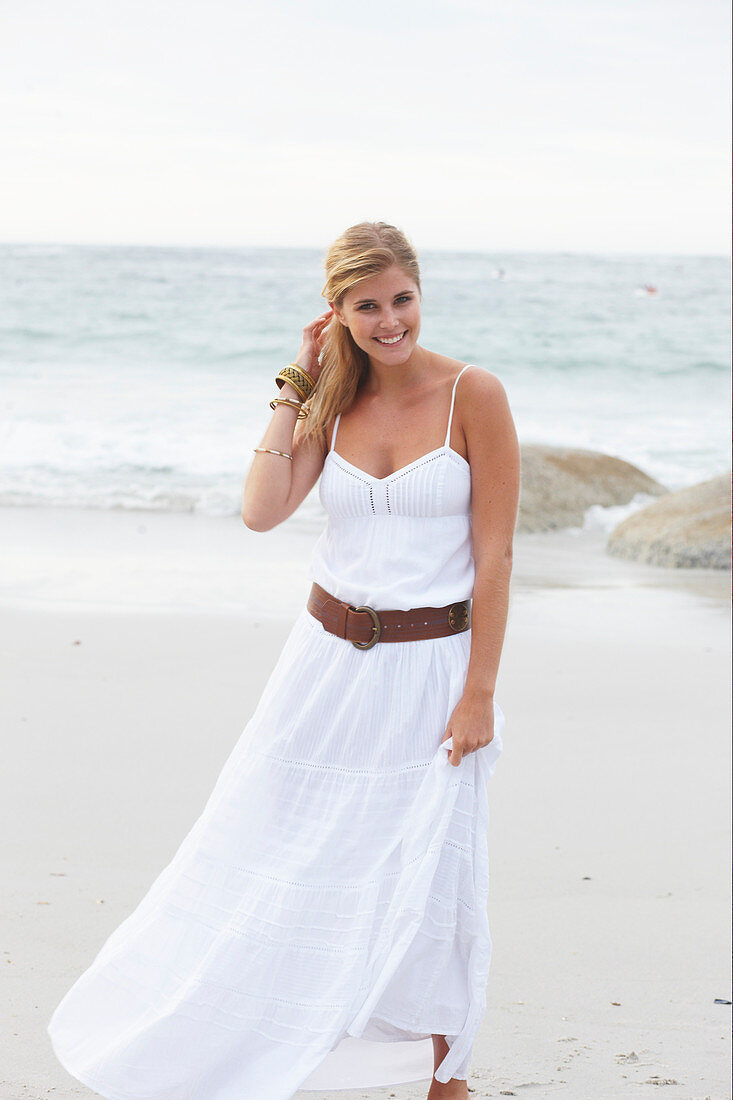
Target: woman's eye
401	298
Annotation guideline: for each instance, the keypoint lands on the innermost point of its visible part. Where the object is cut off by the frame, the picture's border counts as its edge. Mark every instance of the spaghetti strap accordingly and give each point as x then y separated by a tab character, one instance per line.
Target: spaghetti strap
452	402
335	429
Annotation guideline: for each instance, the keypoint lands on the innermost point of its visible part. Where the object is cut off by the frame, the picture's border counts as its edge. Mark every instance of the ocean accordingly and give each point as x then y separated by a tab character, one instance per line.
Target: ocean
139	377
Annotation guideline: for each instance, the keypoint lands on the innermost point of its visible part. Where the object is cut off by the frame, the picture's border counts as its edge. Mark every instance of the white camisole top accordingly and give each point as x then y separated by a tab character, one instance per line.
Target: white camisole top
399	541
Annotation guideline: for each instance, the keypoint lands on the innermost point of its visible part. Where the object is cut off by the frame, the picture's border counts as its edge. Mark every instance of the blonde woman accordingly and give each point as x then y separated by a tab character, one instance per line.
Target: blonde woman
324	925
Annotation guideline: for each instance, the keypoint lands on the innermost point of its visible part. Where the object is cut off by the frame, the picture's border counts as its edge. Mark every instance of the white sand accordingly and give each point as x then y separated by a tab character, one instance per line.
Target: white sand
609	836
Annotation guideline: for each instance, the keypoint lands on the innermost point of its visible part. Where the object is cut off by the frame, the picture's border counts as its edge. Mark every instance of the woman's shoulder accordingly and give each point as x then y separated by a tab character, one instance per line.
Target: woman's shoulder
477	370
480	394
476	379
480	376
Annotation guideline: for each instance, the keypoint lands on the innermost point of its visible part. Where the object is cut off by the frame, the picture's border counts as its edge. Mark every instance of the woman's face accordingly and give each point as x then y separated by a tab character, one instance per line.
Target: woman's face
379	309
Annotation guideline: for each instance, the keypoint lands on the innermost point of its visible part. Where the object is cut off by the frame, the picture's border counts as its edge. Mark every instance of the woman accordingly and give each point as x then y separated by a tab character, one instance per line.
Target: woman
323	925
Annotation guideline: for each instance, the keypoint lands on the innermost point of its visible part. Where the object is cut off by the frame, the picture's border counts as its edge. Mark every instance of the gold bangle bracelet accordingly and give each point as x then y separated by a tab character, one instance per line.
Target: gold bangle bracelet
308	375
302	413
302	382
296	386
294	381
270	451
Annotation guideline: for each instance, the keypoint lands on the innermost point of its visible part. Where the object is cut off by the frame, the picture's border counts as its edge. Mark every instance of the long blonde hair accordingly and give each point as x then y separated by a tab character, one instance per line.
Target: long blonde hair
361	252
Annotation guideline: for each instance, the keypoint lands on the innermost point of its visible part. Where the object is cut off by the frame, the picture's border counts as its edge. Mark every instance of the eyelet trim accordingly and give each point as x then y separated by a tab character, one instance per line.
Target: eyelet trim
363	480
413	467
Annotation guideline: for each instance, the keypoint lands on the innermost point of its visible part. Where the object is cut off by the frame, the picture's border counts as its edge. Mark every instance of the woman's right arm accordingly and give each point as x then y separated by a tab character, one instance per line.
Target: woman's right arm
276	486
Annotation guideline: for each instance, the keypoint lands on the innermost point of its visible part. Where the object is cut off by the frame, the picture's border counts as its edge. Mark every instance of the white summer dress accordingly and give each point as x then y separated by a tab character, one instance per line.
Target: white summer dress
326	913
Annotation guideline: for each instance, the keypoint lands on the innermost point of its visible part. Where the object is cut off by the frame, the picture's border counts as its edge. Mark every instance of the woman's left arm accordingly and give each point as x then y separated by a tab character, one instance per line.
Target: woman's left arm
493	455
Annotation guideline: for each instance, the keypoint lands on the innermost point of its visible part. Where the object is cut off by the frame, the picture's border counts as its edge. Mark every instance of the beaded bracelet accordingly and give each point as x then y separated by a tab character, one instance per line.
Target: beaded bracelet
270	451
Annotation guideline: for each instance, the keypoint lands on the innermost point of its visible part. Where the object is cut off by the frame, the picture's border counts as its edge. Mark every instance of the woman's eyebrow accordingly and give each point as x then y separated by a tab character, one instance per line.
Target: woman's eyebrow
398	295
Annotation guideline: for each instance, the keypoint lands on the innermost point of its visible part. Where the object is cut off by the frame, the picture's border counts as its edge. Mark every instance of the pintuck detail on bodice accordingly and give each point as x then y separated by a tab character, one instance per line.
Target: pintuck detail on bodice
399	541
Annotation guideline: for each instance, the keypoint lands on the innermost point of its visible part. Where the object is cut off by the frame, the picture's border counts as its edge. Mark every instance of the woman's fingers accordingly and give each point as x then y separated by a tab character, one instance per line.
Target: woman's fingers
317	324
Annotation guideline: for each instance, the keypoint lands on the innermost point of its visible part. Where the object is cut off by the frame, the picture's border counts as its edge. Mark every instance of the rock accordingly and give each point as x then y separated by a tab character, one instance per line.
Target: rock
560	483
689	528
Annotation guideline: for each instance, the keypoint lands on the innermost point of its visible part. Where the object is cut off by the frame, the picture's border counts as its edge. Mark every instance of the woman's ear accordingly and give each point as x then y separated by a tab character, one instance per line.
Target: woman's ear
338	314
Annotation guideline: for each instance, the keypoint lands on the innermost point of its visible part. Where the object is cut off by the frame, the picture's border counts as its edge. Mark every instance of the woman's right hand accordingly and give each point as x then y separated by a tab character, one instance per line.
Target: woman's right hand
314	336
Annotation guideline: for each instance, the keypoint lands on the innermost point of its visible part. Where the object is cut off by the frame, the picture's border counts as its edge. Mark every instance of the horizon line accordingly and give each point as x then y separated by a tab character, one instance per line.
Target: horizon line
464	251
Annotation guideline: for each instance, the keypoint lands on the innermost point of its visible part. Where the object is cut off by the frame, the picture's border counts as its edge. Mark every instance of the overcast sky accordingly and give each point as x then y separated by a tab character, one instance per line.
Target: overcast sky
579	125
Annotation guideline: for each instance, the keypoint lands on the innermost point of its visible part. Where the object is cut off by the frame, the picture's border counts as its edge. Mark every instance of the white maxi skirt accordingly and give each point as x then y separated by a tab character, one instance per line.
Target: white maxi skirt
326	913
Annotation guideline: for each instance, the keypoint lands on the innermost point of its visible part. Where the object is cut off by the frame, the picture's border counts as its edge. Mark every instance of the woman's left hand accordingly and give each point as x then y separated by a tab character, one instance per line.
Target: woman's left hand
471	726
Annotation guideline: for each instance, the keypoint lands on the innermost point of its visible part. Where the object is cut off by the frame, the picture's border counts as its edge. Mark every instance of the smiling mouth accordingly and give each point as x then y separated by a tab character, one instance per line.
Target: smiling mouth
388	341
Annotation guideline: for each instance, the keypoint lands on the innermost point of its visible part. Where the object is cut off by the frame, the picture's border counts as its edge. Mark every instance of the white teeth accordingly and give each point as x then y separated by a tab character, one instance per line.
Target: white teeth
390	340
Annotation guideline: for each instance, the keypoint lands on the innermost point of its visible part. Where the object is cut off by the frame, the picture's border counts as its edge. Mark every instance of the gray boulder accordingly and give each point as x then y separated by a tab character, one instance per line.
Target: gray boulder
559	484
687	528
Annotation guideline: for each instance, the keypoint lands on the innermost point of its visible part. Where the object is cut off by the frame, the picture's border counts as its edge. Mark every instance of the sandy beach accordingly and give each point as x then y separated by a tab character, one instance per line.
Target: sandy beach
135	646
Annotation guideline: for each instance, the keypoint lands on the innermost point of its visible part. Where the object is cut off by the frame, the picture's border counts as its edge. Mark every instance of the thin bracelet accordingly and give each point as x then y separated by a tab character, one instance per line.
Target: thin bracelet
270	451
302	413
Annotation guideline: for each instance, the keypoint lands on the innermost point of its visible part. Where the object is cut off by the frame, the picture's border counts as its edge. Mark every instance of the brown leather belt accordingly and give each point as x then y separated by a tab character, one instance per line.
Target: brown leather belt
364	627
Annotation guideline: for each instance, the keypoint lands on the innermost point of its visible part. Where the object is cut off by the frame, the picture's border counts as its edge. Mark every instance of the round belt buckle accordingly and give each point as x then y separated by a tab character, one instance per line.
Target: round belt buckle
458	616
376	628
